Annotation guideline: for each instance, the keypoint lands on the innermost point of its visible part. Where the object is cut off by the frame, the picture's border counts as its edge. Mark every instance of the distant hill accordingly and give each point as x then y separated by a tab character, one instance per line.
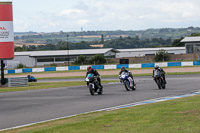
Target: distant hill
55	37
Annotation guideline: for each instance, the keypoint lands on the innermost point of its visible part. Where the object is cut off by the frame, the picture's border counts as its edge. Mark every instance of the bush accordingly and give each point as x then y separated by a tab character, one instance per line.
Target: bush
20	66
81	60
97	59
161	55
53	65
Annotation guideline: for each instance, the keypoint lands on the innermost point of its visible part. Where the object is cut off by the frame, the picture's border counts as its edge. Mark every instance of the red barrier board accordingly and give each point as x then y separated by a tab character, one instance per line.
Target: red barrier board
6	31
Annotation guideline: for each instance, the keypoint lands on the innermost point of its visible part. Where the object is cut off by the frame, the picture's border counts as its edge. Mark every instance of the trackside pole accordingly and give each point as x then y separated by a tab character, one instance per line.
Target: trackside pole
2	73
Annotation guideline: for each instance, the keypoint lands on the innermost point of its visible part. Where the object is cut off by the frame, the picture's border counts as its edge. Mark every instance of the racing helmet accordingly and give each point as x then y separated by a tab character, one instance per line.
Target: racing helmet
89	68
123	68
156	67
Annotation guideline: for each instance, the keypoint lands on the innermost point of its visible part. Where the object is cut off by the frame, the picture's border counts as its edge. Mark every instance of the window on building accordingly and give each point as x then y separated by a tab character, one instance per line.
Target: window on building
189	49
47	59
61	59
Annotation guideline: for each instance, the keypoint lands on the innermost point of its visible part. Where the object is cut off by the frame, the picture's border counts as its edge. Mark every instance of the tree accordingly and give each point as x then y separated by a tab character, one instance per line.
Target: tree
161	55
97	59
178	43
195	34
81	60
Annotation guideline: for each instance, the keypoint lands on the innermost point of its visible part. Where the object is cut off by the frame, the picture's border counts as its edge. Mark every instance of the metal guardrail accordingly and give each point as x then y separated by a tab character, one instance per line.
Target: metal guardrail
17	81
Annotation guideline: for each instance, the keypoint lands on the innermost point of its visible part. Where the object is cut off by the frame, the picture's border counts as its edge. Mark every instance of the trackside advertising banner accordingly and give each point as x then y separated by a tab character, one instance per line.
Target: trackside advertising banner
6	31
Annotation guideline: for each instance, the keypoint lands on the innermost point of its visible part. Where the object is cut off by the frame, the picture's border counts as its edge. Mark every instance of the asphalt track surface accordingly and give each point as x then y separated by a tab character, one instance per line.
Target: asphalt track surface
20	108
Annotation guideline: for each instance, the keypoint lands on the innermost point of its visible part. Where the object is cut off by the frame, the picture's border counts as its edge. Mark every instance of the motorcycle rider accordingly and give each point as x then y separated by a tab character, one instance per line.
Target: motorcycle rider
93	71
123	69
162	72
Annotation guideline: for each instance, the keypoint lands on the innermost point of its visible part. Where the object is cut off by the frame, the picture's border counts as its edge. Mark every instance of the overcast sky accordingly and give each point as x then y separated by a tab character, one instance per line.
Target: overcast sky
71	15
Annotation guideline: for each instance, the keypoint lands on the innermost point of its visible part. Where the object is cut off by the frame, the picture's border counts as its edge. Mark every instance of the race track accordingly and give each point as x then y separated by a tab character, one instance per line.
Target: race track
19	108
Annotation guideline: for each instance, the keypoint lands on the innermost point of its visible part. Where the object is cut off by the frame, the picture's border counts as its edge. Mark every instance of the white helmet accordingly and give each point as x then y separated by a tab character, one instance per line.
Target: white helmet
156	67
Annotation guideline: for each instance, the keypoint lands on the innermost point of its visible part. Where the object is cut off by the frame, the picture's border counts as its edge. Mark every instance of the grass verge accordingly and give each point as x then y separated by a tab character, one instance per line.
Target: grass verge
107	76
174	116
46	85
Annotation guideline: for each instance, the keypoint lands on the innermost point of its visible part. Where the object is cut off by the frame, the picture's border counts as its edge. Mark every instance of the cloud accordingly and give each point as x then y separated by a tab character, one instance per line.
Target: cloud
116	14
71	12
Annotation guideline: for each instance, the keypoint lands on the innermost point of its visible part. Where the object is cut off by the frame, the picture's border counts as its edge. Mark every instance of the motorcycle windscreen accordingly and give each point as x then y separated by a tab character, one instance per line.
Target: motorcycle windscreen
90	75
156	73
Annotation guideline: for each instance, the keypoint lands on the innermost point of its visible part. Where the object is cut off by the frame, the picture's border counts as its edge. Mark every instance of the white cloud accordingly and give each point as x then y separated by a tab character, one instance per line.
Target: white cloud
114	15
71	12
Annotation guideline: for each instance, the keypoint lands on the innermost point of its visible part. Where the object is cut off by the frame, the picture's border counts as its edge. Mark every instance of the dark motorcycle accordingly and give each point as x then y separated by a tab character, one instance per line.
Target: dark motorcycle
31	78
159	79
127	81
93	84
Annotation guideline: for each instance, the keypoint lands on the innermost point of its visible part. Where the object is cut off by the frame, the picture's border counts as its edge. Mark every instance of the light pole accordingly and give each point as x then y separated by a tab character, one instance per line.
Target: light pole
2	73
67	50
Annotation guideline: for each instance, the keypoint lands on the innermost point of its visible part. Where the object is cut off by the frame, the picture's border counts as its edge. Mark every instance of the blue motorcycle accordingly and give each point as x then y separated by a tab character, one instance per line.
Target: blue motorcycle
127	81
31	78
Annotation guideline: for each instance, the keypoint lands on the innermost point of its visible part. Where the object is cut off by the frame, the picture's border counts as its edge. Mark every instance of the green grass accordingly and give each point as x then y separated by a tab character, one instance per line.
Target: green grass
46	85
135	75
174	116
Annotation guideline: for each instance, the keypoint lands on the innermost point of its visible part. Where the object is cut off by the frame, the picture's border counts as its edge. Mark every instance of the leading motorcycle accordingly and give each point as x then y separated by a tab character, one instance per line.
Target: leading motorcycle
159	79
127	81
93	84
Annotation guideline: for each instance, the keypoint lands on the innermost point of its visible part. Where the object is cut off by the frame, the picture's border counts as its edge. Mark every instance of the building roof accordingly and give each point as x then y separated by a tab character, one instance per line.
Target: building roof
64	52
191	39
150	49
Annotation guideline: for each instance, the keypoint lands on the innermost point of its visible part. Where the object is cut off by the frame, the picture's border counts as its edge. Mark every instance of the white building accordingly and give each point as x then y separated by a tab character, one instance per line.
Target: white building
40	58
192	44
148	51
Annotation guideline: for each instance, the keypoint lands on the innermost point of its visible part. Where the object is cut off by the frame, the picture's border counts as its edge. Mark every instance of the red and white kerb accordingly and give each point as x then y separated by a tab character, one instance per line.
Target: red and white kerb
6	31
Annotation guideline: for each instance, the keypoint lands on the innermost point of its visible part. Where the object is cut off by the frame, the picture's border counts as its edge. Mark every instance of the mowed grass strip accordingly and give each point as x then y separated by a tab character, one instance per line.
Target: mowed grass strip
174	116
46	85
135	75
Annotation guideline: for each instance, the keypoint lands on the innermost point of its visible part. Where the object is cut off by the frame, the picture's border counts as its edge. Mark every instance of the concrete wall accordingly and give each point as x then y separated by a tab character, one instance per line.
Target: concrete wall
26	60
143	53
150	58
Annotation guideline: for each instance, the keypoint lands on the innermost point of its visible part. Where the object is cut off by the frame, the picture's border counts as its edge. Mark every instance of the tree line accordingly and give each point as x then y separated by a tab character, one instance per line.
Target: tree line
119	43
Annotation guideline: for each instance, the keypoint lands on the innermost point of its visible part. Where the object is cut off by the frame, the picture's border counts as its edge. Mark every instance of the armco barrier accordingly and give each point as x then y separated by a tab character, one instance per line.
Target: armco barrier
11	71
74	68
98	66
186	63
161	64
46	69
174	63
110	66
61	68
135	66
122	65
83	67
18	70
196	63
28	70
148	65
38	70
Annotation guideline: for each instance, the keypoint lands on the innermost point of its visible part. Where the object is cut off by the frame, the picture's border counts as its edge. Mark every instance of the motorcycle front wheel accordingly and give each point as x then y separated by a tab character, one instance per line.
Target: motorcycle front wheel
158	81
92	91
127	85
